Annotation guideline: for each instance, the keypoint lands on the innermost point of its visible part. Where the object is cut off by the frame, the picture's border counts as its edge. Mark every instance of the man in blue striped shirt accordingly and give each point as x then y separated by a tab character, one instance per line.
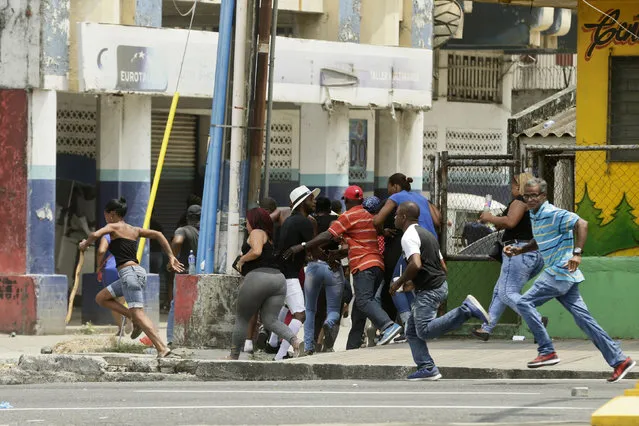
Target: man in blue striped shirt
560	236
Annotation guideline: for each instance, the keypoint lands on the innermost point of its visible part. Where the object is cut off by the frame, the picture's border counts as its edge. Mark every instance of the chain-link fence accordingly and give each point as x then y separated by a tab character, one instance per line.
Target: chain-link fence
464	181
597	184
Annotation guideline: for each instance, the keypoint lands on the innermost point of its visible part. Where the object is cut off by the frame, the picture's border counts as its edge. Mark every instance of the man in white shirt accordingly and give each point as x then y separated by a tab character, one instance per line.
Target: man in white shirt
426	273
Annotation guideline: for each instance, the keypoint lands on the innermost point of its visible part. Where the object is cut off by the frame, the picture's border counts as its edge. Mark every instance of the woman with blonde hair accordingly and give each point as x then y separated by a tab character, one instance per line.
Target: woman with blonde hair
516	271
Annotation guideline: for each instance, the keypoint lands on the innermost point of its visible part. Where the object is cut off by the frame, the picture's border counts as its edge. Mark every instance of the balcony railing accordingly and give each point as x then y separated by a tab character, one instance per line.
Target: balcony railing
548	72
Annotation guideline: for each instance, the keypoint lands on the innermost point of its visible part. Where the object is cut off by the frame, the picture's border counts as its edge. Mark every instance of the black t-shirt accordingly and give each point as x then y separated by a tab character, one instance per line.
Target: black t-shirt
521	231
191	236
323	223
266	259
296	229
419	240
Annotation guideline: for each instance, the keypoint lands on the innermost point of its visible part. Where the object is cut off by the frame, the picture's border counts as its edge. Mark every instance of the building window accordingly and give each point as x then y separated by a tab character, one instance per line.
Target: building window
474	78
623	106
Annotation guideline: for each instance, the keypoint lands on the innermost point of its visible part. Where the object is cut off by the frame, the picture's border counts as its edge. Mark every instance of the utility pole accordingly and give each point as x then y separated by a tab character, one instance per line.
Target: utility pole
237	132
269	110
258	117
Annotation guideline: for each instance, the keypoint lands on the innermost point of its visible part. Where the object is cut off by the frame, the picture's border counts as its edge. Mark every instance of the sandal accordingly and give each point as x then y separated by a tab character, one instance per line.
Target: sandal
299	350
136	332
170	355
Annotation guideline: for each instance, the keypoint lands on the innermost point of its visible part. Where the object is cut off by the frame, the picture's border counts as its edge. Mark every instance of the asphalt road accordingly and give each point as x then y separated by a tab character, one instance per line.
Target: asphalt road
447	402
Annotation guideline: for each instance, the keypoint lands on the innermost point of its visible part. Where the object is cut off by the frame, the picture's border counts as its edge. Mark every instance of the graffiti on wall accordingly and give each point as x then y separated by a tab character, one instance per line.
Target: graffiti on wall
606	31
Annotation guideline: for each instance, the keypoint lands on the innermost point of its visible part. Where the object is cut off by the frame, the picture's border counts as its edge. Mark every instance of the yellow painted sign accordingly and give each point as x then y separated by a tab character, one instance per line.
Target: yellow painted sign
606	31
606	192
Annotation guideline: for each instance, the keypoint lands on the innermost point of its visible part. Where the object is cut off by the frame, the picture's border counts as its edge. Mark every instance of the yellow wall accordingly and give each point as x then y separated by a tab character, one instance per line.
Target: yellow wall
607	182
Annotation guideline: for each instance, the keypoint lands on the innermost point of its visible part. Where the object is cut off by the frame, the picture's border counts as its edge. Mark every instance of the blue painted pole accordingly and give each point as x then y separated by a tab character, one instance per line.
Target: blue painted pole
206	244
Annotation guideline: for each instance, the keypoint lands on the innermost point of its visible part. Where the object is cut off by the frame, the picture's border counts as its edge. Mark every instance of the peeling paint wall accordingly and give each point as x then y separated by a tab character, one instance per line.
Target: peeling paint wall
19	43
422	24
13	181
33	304
148	13
55	43
349	20
205	310
17	304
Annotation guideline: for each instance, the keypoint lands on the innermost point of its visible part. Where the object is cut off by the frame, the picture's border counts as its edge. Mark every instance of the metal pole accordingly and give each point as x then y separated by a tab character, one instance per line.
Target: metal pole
237	133
257	133
269	110
443	198
208	227
158	172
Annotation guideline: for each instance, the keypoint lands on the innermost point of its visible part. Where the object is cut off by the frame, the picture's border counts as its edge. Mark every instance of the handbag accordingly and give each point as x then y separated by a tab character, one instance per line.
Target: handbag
496	251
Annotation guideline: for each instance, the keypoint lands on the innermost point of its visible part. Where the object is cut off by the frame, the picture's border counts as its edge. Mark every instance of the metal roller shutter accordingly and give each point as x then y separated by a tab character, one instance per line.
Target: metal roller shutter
178	173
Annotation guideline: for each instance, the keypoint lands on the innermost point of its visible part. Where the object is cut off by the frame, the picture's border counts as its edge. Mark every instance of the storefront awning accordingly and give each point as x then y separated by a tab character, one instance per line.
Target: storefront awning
123	59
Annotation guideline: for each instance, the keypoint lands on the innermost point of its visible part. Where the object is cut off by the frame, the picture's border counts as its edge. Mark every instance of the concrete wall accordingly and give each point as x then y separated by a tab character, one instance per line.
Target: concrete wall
33	304
205	310
20	43
55	46
13	181
610	291
522	99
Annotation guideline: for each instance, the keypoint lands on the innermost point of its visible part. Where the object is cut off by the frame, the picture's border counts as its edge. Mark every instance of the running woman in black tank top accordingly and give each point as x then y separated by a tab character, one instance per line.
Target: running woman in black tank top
124	243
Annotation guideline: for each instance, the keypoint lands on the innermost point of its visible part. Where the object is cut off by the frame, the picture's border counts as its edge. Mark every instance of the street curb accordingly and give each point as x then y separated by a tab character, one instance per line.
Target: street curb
124	368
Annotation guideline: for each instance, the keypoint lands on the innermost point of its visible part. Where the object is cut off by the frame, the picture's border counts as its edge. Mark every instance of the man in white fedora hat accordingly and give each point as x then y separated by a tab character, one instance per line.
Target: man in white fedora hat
296	229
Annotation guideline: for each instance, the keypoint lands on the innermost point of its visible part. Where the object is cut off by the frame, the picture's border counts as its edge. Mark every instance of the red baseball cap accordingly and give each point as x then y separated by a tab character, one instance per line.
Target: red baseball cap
353	192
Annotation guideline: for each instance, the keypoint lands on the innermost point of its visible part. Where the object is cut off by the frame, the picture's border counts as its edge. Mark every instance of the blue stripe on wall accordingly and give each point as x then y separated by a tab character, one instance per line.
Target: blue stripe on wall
41	231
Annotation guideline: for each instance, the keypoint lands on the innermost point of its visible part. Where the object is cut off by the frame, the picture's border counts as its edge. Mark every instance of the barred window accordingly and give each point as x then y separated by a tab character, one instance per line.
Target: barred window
474	78
623	106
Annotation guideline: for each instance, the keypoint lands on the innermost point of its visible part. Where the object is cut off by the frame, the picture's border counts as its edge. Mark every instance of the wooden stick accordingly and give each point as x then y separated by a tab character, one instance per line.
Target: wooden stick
75	286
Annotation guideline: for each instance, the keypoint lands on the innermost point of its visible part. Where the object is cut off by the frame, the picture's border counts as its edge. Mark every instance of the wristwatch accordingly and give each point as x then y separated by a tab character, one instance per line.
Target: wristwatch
577	251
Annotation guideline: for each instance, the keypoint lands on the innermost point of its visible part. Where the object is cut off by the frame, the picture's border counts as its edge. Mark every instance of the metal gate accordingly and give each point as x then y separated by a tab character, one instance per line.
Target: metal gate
462	183
180	167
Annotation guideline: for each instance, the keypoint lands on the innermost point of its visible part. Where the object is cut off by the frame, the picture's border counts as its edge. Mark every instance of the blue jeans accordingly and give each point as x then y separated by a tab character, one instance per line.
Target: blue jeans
318	275
515	273
130	285
403	300
546	287
423	323
366	284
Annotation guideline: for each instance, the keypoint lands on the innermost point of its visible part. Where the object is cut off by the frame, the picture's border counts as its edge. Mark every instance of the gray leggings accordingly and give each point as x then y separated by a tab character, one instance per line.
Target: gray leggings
264	290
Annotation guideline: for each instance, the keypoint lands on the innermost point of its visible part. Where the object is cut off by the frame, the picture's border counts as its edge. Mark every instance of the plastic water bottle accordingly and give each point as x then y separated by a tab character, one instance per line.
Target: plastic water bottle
191	263
488	202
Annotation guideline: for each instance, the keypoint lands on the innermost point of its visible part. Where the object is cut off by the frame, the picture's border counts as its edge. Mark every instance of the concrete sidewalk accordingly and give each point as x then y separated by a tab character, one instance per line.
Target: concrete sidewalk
577	355
456	358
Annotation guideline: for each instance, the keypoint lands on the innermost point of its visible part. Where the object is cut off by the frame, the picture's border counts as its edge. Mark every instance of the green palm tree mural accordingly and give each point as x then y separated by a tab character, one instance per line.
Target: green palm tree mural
621	233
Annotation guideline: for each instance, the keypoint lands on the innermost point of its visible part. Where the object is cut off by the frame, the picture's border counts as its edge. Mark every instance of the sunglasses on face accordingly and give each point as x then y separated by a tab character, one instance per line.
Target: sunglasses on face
532	196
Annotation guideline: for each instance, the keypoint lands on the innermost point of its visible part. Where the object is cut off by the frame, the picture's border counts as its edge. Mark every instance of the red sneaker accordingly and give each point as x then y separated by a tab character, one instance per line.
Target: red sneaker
621	370
544	360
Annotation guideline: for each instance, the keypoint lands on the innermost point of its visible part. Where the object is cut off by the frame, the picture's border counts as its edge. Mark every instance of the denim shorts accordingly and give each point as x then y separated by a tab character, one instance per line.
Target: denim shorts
130	285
